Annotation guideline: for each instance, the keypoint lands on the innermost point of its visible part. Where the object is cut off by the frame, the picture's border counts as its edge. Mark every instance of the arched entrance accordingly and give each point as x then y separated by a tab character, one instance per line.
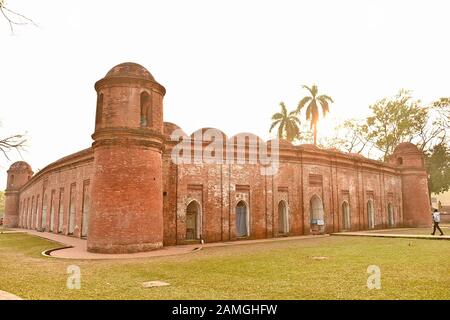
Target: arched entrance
391	221
370	214
346	223
283	218
242	219
193	221
317	215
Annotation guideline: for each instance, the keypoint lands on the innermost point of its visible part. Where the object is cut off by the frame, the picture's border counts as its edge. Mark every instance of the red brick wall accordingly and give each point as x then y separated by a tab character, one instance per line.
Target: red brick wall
75	169
219	187
126	200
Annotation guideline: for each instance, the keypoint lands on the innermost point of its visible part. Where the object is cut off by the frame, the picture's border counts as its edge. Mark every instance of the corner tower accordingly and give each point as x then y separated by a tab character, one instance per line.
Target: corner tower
416	202
127	205
18	174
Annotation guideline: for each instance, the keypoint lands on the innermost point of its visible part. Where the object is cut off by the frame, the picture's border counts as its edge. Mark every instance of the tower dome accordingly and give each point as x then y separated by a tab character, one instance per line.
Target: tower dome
406	147
130	70
20	166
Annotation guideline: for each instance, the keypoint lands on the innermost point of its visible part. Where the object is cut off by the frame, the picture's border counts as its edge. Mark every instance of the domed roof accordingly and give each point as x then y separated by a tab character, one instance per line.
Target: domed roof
170	127
406	147
20	166
130	70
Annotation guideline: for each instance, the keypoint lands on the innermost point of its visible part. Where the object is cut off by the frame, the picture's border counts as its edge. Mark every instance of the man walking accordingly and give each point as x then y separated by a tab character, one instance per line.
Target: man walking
436	219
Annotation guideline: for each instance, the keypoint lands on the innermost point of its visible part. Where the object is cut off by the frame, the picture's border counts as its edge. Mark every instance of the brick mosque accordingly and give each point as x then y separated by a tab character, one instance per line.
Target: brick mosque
126	194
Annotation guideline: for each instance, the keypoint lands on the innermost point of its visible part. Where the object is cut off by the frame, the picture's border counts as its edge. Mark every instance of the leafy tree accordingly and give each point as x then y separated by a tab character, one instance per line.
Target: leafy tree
313	101
399	119
287	122
350	136
442	108
437	162
394	120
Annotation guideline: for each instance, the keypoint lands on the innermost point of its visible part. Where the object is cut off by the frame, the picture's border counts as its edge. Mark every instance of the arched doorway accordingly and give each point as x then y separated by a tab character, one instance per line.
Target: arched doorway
193	221
391	221
317	215
346	223
283	218
370	214
242	219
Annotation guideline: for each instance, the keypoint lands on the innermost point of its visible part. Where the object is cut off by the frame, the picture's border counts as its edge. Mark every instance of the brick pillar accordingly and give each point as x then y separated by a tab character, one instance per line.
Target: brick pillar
127	200
416	202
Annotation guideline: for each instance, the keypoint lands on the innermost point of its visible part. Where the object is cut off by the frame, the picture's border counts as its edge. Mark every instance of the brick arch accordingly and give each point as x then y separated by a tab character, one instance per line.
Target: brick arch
246	219
283	217
346	215
194	227
371	214
391	214
145	101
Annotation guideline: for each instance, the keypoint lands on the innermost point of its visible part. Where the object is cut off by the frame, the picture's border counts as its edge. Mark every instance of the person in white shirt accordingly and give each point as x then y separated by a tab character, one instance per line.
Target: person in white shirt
436	219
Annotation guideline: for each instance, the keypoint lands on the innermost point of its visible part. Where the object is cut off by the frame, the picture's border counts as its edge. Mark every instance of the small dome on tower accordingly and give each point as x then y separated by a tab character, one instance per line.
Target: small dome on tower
130	70
406	147
20	166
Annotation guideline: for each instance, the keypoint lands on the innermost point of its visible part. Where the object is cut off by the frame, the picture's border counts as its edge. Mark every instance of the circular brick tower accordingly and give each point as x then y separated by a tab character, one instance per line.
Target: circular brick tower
126	209
18	174
416	201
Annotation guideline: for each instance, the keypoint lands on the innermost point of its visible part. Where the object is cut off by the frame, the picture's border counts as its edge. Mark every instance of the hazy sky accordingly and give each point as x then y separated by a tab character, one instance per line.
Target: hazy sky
225	64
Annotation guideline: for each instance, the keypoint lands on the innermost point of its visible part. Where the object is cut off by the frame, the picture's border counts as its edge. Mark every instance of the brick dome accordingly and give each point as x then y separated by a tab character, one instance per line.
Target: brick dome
20	166
406	147
130	70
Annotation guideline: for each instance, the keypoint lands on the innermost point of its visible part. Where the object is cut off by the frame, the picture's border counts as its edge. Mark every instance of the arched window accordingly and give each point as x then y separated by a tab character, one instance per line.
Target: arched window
370	214
85	208
317	214
11	183
99	112
32	221
36	221
242	219
399	160
44	212
346	223
283	218
72	212
52	210
193	221
146	110
391	220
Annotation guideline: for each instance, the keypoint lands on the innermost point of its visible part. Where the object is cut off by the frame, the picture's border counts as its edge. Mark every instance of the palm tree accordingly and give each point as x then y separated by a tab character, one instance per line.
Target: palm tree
312	111
288	123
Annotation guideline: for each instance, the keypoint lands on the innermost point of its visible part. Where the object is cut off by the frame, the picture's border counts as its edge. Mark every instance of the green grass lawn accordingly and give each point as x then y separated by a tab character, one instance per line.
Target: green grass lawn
410	269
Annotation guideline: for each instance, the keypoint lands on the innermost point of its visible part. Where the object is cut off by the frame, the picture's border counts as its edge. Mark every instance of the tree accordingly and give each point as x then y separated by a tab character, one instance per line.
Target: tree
437	162
312	110
14	142
14	18
442	108
288	124
394	120
350	136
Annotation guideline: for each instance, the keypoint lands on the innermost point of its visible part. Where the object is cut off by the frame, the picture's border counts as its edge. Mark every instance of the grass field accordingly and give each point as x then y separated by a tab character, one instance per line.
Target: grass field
410	269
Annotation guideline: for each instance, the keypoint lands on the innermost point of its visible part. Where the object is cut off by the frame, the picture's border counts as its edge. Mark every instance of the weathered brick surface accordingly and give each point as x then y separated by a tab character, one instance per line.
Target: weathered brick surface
137	196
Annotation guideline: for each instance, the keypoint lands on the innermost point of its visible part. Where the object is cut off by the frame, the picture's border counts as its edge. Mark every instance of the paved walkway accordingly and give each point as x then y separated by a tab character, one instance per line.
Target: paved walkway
76	248
390	233
8	296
